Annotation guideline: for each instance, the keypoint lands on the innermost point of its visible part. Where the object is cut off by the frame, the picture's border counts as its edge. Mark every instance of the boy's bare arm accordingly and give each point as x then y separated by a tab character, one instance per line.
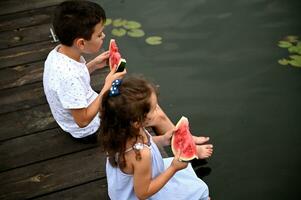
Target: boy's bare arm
84	116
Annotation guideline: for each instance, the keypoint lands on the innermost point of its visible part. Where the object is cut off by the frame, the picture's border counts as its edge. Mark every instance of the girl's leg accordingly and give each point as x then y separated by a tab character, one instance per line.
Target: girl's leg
161	123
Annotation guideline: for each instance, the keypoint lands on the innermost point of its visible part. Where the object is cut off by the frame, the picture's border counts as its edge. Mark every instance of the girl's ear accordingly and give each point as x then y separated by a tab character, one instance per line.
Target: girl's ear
136	125
79	43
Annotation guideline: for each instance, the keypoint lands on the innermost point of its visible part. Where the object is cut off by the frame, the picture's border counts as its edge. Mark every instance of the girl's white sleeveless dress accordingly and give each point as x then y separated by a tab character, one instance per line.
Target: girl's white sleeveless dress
184	185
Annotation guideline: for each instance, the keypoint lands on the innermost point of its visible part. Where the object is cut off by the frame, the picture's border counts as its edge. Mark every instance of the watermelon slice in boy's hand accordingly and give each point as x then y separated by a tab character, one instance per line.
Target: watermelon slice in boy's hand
182	141
115	57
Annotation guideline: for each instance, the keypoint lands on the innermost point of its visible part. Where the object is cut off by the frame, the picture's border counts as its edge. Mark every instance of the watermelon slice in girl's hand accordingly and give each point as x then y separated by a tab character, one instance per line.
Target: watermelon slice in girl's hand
115	57
182	141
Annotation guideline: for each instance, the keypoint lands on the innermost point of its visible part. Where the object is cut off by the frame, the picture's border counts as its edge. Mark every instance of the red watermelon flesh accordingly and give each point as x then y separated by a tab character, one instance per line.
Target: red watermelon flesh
114	54
182	141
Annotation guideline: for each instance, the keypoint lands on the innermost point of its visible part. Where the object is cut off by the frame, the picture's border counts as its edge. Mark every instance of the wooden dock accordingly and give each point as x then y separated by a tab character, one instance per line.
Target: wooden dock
37	160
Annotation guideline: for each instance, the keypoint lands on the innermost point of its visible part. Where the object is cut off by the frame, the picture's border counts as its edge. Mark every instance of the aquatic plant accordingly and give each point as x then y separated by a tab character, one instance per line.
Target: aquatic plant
293	45
122	27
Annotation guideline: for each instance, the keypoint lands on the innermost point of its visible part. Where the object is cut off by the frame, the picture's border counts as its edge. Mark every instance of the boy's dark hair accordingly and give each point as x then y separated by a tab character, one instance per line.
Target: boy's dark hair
119	113
73	19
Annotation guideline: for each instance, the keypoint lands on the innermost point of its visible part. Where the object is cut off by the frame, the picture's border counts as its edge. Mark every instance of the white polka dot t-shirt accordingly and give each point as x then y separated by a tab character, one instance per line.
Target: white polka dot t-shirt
67	86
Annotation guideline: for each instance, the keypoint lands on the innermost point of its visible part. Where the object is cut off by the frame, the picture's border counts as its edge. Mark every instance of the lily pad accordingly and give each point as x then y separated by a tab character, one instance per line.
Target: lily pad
118	32
291	38
284	44
154	40
296	58
294	49
295	63
108	22
119	22
283	61
132	25
136	33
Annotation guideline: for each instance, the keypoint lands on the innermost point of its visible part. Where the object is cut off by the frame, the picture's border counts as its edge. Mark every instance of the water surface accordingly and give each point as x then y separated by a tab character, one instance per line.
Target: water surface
218	66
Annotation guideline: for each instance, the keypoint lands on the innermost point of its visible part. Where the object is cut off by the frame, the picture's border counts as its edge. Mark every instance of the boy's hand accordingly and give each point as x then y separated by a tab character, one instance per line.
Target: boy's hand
101	60
110	78
177	164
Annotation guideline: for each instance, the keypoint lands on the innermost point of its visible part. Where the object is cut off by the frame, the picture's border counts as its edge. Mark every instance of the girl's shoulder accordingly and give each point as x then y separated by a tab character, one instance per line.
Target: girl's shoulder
135	158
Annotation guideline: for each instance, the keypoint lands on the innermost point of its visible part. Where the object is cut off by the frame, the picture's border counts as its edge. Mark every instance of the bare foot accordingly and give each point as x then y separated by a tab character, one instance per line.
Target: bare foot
204	151
200	140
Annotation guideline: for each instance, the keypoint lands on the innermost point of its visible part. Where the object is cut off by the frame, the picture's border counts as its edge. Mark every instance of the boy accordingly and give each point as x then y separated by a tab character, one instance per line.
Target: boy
79	26
66	79
74	104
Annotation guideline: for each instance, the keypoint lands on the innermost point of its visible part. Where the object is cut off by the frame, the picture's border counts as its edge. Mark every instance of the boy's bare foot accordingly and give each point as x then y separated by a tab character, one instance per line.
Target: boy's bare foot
204	151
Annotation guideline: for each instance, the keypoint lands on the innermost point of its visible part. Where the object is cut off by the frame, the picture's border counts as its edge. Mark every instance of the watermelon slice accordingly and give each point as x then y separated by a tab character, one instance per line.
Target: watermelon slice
115	56
182	141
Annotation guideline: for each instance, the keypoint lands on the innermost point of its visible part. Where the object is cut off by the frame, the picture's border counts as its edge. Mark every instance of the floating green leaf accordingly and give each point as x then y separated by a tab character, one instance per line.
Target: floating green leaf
118	32
284	44
291	38
119	22
108	21
136	33
283	61
154	40
132	25
294	49
295	63
296	58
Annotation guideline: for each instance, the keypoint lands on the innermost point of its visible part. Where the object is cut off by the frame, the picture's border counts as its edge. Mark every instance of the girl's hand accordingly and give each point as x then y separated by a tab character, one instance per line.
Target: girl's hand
177	164
101	60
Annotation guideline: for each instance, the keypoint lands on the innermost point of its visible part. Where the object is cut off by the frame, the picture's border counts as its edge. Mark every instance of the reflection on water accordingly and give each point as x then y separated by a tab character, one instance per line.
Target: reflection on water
218	66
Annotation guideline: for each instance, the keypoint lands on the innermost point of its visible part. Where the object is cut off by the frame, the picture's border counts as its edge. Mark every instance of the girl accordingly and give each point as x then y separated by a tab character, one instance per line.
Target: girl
135	168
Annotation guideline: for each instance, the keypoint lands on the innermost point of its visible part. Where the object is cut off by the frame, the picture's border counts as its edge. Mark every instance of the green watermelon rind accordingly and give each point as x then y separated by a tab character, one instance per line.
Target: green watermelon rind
174	149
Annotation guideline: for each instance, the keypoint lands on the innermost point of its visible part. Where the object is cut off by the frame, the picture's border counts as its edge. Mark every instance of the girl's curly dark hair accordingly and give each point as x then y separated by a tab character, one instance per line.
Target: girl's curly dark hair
119	113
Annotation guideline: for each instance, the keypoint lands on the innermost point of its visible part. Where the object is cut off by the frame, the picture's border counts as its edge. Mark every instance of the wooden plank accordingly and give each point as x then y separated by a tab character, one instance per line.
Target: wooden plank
25	54
21	75
23	36
37	147
21	97
12	6
24	122
24	97
97	190
52	175
26	73
27	18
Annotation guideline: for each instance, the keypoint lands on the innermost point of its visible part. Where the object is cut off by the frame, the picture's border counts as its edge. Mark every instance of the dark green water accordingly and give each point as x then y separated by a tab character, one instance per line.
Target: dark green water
218	66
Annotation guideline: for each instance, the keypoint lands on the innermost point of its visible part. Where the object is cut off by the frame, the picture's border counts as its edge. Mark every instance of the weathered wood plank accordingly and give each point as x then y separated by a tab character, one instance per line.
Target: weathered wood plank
24	122
13	6
23	36
21	75
25	54
27	18
52	175
96	190
30	95
21	97
37	147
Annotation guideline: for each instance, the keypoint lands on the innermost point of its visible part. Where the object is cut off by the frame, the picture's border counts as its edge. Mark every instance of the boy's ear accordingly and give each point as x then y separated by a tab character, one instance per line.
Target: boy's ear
79	43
